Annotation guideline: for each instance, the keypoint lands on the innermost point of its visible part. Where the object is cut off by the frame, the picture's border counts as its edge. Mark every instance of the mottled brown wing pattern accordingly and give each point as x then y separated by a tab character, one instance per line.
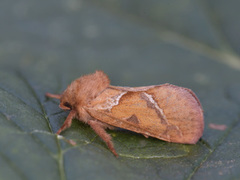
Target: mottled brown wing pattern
182	109
127	110
163	112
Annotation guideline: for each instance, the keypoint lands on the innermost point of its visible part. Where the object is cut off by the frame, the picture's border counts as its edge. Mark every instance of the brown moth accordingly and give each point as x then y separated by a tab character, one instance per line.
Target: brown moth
166	111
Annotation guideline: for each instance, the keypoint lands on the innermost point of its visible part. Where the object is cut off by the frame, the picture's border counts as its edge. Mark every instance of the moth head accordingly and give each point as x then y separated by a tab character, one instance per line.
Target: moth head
65	105
81	91
66	101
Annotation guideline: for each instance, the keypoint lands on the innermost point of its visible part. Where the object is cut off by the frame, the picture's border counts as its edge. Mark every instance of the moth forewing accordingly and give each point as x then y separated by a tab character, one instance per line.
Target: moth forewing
166	112
182	110
129	112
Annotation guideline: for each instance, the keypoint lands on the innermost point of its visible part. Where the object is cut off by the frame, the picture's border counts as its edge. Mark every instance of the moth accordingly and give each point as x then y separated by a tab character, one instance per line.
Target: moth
167	112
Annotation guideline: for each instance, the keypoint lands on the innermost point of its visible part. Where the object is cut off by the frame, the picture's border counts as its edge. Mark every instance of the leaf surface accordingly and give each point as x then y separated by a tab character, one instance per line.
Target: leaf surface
47	44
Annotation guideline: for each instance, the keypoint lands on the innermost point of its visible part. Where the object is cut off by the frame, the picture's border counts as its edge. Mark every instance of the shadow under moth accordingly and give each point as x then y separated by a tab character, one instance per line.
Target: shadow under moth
167	112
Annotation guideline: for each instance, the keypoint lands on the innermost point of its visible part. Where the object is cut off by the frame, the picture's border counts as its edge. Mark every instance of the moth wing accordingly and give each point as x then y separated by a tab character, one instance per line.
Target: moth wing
183	111
128	110
166	112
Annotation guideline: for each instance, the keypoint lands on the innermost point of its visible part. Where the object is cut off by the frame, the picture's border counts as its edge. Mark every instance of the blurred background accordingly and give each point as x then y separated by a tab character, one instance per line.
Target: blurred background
136	42
46	44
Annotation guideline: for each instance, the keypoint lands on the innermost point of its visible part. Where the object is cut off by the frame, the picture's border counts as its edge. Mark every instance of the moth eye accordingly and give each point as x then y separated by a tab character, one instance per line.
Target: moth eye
66	104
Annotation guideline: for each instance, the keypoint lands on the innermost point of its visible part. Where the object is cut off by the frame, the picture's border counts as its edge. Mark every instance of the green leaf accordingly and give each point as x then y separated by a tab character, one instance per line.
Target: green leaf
47	44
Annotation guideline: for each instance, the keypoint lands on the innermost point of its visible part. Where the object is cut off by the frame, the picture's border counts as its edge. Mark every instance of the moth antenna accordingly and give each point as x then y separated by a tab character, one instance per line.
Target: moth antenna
56	96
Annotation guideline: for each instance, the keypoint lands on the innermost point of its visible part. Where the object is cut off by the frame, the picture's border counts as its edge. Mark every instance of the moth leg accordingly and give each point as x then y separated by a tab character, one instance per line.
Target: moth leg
56	96
146	136
100	130
68	122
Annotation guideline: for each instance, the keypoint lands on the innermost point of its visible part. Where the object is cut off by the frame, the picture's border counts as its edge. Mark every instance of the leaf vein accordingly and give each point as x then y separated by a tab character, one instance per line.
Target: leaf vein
37	98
